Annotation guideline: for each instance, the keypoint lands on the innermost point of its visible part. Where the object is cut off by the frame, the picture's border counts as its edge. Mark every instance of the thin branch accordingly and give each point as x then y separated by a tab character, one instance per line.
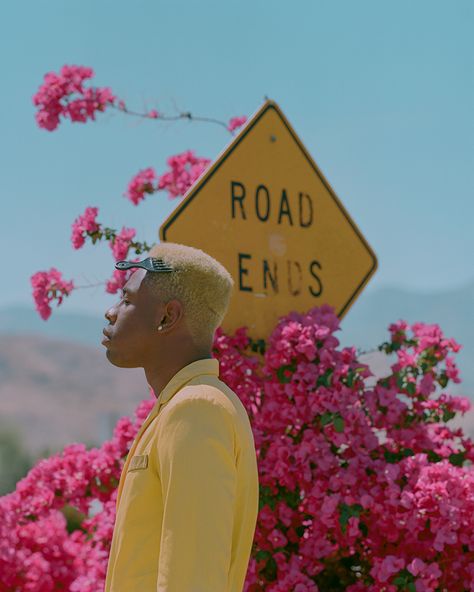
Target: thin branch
183	115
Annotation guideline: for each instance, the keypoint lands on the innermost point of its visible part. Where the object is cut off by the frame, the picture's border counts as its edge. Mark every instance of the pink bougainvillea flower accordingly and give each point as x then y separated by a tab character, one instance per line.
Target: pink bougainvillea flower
119	279
48	286
236	122
185	169
141	183
120	244
83	225
64	95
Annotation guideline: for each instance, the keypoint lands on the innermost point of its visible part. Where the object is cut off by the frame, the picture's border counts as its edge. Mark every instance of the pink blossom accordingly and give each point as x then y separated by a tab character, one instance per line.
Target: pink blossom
185	169
153	114
236	122
48	286
385	569
452	371
117	281
120	244
64	95
83	225
141	183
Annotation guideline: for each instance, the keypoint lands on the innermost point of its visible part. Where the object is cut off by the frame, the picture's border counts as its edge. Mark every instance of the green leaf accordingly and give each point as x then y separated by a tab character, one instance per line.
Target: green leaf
433	456
270	569
344	517
281	373
457	458
391	457
338	424
325	379
350	378
447	415
443	380
326	418
262	555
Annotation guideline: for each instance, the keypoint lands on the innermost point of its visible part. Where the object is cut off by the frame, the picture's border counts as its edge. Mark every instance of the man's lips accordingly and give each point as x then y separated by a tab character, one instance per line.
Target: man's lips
107	337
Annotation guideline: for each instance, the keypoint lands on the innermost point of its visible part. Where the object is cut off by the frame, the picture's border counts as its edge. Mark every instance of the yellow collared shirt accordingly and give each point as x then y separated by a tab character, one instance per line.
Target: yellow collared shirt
187	501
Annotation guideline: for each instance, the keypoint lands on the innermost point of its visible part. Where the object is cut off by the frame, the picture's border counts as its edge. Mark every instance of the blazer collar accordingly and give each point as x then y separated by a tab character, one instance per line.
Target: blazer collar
187	373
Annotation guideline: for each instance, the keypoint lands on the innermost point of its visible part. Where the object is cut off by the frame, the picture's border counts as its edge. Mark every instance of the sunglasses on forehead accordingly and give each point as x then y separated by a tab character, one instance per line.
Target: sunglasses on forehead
153	264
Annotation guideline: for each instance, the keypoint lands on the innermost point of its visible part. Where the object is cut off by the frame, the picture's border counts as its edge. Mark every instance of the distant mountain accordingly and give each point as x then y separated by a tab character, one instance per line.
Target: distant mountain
55	392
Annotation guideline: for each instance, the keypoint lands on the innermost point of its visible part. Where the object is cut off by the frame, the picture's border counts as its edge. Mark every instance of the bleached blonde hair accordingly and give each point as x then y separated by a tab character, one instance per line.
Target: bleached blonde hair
200	283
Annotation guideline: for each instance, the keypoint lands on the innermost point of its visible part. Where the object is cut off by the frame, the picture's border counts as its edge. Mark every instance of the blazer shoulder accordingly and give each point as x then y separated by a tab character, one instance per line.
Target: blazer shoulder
202	393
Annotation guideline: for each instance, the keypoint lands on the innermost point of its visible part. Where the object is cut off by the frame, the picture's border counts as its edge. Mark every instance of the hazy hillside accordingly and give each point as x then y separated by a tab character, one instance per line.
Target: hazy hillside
54	392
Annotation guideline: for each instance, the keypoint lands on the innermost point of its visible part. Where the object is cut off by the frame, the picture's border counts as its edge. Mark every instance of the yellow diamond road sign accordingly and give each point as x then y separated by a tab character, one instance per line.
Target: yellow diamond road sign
266	212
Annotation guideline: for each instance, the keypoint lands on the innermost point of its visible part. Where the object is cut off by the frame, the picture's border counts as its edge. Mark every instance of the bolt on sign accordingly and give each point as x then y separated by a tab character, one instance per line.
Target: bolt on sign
267	213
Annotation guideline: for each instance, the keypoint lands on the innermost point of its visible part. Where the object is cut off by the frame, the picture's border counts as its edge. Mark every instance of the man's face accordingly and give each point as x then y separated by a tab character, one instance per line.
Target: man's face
133	324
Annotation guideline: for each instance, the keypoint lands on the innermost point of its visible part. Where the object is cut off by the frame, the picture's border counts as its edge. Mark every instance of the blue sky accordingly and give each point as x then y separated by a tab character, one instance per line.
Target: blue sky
381	93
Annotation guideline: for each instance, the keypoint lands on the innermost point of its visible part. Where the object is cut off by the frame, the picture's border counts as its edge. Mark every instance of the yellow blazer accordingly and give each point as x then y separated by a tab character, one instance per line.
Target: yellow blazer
187	500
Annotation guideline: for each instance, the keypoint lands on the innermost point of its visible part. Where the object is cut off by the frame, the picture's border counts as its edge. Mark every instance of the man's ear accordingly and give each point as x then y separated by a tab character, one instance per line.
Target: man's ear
172	314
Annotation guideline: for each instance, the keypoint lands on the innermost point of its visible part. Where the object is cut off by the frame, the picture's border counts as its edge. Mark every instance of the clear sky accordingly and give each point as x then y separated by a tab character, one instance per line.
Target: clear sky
380	92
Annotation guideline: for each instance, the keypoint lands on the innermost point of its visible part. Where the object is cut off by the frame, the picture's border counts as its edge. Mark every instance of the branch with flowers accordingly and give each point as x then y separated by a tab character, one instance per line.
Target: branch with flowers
67	96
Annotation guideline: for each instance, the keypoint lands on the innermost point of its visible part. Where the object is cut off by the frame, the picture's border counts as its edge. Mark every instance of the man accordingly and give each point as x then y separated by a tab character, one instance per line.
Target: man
187	500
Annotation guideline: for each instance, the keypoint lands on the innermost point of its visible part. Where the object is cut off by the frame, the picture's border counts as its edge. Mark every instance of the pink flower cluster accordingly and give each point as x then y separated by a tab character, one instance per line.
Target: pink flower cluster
64	95
119	279
362	488
83	225
142	182
236	122
185	169
48	286
120	243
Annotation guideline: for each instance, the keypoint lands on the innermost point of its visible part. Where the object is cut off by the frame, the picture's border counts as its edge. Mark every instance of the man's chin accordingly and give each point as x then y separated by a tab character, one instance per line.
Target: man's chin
120	362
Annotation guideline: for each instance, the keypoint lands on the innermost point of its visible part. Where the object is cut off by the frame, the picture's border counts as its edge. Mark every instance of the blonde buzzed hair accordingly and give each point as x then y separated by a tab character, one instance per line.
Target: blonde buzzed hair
200	283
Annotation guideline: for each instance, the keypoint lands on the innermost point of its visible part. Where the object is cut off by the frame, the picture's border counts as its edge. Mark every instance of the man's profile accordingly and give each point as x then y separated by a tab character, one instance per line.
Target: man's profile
187	501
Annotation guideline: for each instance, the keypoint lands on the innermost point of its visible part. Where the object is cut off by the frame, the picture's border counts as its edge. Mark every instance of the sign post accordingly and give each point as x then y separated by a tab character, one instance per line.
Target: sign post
266	212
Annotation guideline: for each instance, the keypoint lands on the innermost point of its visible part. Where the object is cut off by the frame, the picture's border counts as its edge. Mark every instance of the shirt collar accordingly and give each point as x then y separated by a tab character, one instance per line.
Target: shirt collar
187	373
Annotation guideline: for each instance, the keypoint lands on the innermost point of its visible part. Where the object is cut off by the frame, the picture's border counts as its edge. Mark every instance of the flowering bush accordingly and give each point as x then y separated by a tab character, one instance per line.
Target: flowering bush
362	489
64	95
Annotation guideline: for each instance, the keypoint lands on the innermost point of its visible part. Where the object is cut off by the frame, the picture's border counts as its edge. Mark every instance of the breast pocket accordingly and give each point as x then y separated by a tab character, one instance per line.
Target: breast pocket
138	462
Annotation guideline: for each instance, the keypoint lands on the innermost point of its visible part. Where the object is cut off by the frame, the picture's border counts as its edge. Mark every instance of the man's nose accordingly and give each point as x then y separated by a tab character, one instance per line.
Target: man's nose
110	314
